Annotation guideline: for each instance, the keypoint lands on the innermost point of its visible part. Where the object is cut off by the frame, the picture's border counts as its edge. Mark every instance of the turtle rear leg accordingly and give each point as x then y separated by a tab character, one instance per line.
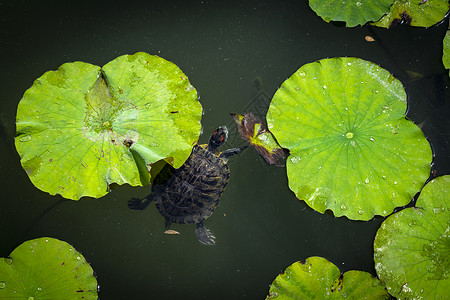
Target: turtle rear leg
139	204
229	152
204	235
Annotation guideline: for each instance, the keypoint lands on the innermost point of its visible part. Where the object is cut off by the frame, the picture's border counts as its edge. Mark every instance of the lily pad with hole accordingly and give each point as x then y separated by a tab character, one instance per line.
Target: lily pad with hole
352	12
420	13
412	247
46	268
352	150
82	127
317	278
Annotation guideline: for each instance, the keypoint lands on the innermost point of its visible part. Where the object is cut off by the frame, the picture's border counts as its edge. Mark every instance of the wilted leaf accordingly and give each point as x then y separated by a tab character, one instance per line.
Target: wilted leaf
252	130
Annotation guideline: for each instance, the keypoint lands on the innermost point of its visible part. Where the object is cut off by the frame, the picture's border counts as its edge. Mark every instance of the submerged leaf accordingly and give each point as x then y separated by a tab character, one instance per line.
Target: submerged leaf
412	247
46	268
317	278
352	12
351	148
82	127
252	130
415	13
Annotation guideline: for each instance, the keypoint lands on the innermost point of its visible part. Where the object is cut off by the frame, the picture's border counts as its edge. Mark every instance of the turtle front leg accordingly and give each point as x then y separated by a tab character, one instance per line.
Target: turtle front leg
227	153
204	235
139	204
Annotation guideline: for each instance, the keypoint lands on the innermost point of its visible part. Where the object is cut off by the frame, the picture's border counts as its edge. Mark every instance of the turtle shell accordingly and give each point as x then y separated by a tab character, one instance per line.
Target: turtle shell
194	190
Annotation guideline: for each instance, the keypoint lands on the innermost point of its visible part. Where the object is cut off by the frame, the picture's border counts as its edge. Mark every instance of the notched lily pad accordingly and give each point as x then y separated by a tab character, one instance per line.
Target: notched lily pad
252	130
82	127
46	268
317	278
412	247
351	148
421	13
352	12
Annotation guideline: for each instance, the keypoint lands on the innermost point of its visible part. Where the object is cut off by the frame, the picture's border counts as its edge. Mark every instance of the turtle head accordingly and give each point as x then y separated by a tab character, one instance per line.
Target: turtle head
218	138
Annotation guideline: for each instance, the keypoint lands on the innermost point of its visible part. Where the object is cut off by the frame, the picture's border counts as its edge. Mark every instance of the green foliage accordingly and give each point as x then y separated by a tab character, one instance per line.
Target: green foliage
446	54
415	12
412	247
352	12
46	268
317	278
82	127
351	148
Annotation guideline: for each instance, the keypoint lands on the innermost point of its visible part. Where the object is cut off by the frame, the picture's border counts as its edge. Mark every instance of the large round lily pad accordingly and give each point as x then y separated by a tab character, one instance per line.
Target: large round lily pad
352	12
317	278
351	148
82	127
46	268
412	247
421	13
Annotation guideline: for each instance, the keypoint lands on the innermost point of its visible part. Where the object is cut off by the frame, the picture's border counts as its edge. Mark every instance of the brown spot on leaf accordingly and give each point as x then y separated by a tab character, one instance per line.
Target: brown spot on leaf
128	143
404	19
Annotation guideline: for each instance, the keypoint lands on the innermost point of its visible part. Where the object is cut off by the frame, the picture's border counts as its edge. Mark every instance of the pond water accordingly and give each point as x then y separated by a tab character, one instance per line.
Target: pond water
260	226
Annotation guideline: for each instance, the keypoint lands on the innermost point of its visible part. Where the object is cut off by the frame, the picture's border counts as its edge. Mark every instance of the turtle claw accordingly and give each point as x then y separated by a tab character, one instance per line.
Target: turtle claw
204	235
138	204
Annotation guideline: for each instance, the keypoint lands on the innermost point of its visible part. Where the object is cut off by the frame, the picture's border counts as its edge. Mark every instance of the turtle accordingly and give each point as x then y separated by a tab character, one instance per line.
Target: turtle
192	193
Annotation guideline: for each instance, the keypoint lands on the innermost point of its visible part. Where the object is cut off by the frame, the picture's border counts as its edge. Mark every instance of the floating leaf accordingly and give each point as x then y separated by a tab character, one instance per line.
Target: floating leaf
46	268
82	127
351	148
352	12
412	247
415	13
252	130
446	55
317	278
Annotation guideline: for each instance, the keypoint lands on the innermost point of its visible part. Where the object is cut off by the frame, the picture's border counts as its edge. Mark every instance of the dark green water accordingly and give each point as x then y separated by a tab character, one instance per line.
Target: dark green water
260	226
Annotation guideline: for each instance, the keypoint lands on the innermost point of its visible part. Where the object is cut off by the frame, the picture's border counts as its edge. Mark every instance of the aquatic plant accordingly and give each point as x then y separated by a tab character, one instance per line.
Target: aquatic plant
412	246
446	50
46	268
352	12
317	278
252	130
82	127
420	13
386	13
352	150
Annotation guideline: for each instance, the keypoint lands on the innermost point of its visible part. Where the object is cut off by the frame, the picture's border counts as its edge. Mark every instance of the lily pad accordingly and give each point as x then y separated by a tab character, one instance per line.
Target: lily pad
420	13
317	278
412	247
82	127
46	268
352	12
352	150
252	130
446	54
